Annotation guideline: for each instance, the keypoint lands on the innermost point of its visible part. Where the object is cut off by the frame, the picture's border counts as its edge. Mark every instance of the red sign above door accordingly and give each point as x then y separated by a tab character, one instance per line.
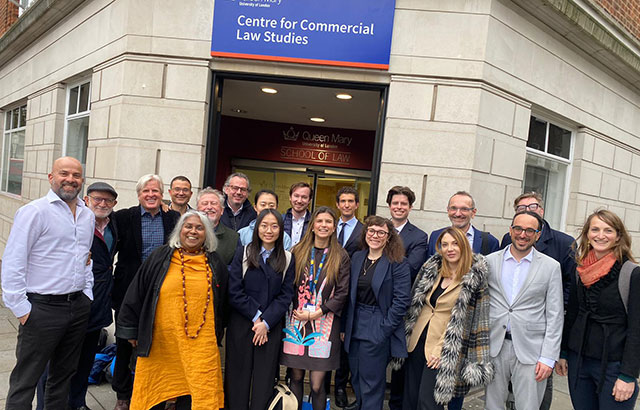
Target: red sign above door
293	143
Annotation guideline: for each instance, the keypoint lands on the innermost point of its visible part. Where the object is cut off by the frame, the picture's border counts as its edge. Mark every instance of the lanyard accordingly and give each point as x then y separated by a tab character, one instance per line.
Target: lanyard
315	273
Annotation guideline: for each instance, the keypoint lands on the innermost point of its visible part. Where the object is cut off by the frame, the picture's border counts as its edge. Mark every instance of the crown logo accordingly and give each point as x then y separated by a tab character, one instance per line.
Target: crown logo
290	134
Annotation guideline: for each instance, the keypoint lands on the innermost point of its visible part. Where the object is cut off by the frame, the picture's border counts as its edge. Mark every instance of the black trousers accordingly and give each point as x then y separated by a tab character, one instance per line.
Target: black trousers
52	334
343	373
396	388
122	382
250	370
420	380
80	380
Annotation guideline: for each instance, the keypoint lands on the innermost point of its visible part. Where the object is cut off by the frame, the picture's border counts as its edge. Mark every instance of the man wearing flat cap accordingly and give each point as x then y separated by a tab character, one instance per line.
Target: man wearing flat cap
100	199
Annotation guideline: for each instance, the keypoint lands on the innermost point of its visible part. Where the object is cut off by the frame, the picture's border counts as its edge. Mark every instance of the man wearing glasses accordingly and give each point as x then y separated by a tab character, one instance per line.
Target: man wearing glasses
461	210
238	211
552	243
526	316
180	193
100	199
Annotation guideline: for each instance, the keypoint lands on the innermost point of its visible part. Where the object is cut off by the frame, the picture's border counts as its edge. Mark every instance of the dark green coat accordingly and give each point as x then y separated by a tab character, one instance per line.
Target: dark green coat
227	243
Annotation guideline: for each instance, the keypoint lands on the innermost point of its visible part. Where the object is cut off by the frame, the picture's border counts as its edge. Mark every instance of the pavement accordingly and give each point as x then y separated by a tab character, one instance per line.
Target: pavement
101	397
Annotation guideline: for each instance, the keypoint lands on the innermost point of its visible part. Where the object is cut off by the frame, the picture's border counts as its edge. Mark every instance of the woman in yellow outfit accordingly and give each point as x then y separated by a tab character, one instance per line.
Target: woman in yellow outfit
172	313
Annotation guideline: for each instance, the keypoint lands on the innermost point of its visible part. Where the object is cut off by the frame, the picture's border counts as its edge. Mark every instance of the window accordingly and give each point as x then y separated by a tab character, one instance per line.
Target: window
547	167
77	121
15	121
23	5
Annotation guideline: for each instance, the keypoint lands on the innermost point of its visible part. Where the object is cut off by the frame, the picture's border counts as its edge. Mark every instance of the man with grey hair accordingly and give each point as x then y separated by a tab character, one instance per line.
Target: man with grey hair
461	209
141	229
238	211
209	201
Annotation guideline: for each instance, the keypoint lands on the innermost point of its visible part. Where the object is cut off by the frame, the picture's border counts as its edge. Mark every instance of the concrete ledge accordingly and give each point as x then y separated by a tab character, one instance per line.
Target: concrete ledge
34	22
591	29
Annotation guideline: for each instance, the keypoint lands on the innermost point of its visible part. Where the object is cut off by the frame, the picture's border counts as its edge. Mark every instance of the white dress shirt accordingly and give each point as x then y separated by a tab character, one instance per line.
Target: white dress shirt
296	228
47	252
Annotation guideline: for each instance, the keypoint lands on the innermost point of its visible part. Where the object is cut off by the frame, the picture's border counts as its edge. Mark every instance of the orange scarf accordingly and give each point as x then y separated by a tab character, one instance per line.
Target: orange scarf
592	268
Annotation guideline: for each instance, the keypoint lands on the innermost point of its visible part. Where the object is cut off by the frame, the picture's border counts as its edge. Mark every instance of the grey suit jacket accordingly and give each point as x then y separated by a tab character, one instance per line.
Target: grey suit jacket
536	314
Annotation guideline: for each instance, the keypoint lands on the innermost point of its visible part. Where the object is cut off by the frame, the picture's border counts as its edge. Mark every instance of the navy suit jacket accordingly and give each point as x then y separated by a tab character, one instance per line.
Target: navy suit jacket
415	242
260	289
353	243
557	245
494	245
391	284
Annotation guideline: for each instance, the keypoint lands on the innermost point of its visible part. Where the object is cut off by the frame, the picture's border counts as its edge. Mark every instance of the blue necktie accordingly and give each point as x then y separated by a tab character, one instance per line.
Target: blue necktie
341	236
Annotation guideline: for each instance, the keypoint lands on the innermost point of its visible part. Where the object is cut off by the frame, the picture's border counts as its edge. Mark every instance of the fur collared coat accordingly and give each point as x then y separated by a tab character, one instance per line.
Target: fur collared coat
464	360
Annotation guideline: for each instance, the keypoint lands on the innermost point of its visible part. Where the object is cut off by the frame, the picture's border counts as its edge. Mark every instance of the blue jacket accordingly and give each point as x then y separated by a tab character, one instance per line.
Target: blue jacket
246	215
261	289
288	222
101	315
353	243
494	245
557	245
415	247
391	285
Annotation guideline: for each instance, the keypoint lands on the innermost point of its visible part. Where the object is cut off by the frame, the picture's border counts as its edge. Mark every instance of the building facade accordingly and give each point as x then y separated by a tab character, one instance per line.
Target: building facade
489	96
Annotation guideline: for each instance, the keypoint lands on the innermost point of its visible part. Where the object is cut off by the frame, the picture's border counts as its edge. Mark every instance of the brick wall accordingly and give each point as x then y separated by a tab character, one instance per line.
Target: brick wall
8	15
626	12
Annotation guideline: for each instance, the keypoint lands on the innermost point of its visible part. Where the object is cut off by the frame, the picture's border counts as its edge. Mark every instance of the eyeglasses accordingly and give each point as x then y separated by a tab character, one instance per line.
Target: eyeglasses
378	233
235	188
455	209
181	190
528	231
107	201
530	207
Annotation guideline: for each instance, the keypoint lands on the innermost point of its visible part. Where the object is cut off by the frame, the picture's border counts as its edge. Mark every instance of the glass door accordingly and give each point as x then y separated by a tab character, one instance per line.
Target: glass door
325	183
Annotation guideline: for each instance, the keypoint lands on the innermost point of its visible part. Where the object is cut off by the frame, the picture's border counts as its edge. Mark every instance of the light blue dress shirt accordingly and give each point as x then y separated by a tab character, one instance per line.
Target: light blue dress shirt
348	227
514	274
47	252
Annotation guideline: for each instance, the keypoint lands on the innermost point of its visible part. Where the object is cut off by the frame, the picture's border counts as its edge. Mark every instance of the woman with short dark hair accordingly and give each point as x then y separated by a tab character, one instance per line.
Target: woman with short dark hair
378	299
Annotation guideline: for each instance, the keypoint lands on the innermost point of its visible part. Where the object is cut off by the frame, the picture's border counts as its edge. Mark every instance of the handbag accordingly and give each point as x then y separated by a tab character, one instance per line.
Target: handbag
285	397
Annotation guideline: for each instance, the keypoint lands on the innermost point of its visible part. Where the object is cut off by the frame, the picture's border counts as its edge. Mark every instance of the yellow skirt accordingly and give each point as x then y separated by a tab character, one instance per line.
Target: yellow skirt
178	365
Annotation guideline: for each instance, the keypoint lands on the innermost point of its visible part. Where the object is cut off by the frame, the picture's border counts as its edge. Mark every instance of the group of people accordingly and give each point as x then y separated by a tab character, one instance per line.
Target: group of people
316	292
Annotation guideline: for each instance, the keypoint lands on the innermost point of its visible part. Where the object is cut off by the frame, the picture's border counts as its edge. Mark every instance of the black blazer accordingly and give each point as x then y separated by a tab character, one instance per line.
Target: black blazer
557	245
260	289
415	241
129	226
101	315
353	243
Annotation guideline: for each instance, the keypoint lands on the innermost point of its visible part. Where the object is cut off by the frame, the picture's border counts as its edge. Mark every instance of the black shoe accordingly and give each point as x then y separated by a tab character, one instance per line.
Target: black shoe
341	398
352	406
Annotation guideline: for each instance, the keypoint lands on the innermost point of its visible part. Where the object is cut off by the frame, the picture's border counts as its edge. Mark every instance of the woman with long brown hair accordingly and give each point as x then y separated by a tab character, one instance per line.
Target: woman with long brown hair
379	297
447	325
601	338
312	335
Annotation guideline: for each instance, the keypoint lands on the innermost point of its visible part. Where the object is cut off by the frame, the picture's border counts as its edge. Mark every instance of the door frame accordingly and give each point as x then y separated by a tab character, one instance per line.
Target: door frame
215	114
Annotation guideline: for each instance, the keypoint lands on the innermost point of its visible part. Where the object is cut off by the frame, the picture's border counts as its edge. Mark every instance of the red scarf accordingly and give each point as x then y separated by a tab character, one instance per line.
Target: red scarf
592	268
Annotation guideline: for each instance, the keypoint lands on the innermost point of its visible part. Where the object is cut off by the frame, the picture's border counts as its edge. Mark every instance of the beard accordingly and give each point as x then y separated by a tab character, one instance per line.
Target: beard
68	195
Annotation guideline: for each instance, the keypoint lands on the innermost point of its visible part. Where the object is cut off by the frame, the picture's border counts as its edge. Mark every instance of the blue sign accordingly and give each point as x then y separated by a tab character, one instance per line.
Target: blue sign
352	33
